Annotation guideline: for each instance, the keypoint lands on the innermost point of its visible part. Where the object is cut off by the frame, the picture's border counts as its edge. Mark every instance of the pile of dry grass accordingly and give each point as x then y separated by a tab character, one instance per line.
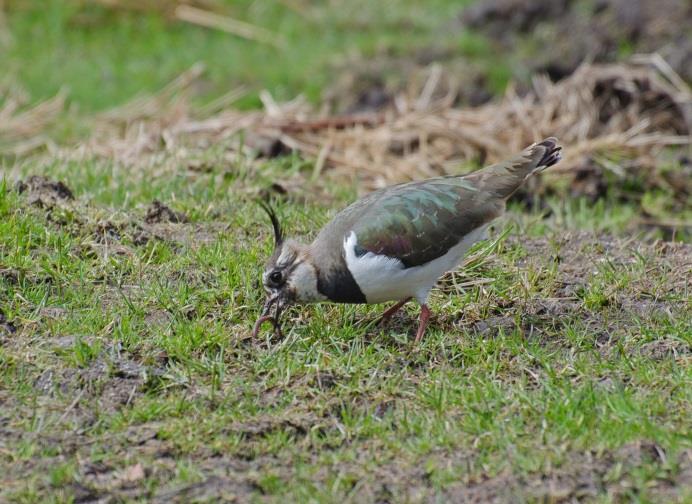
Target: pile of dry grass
630	110
22	126
601	112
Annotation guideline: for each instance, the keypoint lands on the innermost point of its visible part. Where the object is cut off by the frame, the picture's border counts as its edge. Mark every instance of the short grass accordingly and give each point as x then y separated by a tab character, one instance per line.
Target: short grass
556	367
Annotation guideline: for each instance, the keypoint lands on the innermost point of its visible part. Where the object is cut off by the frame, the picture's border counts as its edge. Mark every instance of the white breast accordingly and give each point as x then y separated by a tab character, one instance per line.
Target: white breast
383	278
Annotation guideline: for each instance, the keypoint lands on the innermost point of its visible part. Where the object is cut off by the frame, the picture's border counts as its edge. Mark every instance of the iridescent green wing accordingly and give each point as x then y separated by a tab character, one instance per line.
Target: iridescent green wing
421	221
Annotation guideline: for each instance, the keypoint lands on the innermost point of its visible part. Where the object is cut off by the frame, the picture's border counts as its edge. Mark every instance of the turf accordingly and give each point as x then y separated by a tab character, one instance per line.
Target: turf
556	366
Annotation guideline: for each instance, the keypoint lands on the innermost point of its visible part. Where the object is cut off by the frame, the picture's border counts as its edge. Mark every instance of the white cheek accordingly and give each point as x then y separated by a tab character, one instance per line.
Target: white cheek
304	281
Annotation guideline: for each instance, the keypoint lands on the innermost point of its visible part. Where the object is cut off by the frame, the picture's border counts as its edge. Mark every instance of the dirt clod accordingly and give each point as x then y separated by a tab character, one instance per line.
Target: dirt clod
10	275
7	327
158	213
43	192
267	147
38	184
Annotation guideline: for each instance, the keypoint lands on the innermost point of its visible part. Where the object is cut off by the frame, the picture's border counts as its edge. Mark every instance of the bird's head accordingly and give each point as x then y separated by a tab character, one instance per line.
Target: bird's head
289	276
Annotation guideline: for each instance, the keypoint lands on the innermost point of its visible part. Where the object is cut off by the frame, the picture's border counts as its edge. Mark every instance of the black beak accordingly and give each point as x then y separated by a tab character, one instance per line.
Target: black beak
272	301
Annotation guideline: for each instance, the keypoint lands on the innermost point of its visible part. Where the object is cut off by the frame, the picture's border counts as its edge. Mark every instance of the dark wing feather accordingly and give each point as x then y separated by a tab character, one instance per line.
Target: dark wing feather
421	221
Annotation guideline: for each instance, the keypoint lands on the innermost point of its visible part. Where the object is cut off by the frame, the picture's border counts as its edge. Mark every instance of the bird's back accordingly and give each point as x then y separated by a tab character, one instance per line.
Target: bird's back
417	222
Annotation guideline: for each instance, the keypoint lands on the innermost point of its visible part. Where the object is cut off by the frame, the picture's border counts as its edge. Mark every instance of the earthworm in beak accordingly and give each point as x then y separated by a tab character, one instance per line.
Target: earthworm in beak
265	317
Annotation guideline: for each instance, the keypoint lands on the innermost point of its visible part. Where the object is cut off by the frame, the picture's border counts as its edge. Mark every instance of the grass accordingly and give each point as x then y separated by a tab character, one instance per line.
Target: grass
128	370
556	366
104	57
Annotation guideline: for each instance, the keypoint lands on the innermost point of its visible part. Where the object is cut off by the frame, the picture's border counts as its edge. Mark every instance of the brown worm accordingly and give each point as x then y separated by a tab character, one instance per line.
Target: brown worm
264	316
262	320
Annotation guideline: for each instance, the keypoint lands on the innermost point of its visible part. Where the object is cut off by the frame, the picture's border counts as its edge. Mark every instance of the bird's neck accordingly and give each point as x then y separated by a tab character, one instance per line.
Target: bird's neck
334	280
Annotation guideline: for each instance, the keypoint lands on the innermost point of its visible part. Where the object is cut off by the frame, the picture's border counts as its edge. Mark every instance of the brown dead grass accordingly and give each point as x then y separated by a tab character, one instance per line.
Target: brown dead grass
631	109
23	127
634	110
601	112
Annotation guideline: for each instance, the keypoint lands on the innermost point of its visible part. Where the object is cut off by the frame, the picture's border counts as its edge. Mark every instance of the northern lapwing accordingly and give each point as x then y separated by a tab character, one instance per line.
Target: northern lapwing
395	243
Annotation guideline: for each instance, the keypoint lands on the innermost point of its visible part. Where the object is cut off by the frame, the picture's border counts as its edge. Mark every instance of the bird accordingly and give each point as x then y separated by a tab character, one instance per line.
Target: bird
395	243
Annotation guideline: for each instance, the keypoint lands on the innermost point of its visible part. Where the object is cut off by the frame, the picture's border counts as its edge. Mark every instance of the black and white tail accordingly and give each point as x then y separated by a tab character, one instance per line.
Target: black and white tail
552	153
504	178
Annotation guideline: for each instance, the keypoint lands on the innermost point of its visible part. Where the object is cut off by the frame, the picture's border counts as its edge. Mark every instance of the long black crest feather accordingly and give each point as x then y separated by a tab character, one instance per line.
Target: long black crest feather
276	225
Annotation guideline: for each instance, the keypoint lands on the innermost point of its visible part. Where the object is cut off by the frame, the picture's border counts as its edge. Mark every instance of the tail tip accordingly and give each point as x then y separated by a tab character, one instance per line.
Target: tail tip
552	153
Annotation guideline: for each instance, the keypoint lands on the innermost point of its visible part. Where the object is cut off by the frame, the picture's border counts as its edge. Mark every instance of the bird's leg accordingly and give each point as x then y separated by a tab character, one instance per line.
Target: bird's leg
391	311
422	322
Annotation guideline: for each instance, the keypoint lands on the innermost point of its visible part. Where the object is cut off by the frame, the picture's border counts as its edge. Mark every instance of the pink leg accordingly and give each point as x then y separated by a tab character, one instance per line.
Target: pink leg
422	322
391	311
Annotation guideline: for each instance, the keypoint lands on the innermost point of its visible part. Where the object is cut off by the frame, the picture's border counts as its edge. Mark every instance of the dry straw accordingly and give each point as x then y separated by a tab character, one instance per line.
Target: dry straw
603	111
624	109
600	112
22	127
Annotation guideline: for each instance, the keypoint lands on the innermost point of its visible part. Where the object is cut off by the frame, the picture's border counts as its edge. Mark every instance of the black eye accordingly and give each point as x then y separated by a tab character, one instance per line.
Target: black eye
275	277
